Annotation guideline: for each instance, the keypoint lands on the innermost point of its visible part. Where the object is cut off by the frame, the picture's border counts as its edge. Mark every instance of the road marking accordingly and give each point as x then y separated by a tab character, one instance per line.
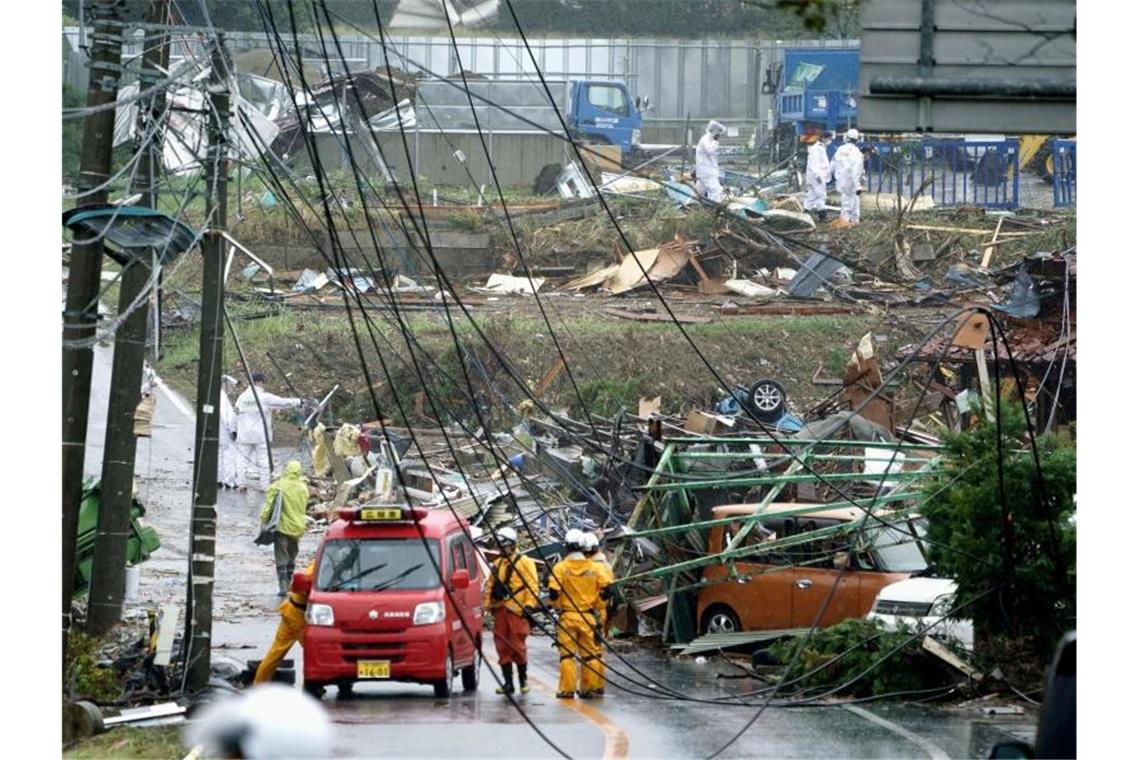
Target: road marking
615	742
933	750
179	404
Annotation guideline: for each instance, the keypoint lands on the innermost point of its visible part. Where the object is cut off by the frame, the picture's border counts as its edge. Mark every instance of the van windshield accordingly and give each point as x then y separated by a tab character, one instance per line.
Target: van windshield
896	548
376	564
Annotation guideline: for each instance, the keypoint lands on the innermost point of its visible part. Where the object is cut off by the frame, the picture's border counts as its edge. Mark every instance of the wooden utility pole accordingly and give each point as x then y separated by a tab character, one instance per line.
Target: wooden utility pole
81	310
108	567
203	524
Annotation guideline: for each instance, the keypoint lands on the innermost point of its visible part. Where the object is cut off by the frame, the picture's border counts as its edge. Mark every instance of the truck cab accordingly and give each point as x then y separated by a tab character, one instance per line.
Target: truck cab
604	112
396	596
817	92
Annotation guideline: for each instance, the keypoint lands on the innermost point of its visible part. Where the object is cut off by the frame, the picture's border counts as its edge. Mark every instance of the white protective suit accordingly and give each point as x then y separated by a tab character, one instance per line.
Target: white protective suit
253	453
706	169
847	167
818	175
229	474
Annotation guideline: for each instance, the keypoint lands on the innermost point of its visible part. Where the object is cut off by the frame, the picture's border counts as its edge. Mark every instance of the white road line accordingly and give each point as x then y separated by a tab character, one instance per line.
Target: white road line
933	750
179	404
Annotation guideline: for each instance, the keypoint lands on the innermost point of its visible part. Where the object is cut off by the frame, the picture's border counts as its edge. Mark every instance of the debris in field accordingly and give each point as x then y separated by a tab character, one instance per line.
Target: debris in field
625	183
650	316
789	221
310	281
749	289
813	275
572	184
504	284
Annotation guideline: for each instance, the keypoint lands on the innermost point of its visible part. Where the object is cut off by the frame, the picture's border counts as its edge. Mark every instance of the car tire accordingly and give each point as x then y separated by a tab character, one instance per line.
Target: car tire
767	400
344	690
314	689
443	686
470	674
720	619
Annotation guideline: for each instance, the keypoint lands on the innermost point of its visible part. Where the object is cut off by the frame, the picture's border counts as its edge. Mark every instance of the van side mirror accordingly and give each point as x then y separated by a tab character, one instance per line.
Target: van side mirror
638	102
841	560
461	579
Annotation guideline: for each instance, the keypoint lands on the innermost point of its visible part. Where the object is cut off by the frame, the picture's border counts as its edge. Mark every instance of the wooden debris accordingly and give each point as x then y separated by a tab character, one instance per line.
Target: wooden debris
963	230
988	251
649	316
548	379
940	651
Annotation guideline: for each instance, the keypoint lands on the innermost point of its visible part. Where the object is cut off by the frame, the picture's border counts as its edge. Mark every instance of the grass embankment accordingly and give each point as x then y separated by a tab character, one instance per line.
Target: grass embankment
158	743
614	362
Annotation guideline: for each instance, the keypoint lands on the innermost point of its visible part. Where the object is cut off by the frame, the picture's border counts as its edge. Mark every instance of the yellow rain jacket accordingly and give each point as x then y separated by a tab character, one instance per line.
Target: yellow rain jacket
294	501
522	580
578	583
290	629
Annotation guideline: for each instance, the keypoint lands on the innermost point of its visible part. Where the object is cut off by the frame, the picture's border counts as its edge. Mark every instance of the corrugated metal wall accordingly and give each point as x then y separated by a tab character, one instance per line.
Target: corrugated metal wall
698	78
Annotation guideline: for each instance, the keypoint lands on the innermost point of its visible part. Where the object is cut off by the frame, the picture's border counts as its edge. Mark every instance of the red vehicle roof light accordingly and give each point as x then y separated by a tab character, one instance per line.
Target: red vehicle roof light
382	514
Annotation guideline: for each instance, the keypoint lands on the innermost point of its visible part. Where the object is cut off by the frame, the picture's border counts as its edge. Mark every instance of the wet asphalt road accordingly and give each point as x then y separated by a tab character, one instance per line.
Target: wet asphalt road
405	720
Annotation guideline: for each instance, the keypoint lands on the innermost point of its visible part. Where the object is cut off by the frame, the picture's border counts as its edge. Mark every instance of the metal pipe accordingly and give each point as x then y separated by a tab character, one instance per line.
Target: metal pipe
1030	89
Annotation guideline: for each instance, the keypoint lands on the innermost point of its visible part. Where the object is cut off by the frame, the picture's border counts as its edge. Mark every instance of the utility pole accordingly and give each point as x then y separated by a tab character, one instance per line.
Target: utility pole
203	524
108	568
81	310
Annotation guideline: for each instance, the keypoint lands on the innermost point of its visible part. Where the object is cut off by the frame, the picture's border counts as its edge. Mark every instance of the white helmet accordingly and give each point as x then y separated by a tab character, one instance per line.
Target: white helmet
715	128
573	537
852	135
589	541
266	721
507	535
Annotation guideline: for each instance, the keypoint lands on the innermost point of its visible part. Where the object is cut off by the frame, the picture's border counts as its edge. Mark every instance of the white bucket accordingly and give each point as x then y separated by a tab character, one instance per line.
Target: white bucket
131	587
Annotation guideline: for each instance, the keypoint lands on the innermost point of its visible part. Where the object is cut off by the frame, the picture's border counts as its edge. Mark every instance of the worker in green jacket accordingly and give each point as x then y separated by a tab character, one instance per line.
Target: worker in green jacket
294	496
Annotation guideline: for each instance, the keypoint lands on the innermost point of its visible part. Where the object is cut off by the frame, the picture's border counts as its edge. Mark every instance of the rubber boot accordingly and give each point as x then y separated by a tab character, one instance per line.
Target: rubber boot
508	686
523	687
283	581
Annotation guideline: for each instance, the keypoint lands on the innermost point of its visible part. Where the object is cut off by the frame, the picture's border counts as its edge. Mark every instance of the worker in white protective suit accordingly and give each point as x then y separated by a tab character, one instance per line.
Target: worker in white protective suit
255	407
228	471
706	170
847	168
818	173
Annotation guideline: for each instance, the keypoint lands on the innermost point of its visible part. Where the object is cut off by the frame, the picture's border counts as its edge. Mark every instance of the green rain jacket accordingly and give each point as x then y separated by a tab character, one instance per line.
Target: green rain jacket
294	501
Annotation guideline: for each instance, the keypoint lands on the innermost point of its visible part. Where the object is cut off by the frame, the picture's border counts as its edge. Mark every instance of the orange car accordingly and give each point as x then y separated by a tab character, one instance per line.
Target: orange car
785	588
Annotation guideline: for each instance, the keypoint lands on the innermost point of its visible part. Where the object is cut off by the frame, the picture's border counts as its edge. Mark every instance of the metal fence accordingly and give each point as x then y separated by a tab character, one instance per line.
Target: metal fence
951	172
1064	173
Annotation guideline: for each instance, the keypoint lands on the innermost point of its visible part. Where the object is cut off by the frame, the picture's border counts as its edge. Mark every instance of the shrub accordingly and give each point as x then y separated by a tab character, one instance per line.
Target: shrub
1032	589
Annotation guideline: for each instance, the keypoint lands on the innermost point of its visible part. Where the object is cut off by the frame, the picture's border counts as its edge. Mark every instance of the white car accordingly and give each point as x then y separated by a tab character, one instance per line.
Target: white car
922	603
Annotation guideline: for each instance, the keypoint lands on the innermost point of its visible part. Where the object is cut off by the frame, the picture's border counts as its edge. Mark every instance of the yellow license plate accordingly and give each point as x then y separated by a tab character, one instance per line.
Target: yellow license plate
373	669
385	513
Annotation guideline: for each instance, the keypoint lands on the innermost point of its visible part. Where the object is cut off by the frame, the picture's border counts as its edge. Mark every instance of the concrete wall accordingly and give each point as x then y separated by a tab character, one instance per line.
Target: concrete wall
518	158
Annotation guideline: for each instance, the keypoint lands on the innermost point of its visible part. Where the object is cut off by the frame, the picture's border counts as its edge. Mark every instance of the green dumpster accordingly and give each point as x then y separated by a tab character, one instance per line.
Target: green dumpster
143	540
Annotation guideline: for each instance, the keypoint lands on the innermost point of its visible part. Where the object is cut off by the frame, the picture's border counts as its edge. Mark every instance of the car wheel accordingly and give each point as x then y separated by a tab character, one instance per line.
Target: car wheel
470	674
767	400
344	690
443	686
314	689
720	619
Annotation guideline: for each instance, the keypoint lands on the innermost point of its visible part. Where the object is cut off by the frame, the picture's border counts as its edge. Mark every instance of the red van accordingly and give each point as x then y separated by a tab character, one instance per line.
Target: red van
379	610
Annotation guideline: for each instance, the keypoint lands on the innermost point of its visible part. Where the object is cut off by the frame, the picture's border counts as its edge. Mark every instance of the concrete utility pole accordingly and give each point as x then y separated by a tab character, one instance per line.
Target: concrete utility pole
203	524
108	568
81	312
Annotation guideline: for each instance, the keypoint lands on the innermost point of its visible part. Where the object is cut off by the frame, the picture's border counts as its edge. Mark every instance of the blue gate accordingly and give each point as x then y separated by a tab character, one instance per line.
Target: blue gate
951	172
1064	173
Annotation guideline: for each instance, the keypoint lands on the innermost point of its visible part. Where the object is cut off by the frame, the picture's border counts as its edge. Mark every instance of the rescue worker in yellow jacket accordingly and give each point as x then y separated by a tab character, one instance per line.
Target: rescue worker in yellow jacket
576	587
292	625
294	495
594	678
511	594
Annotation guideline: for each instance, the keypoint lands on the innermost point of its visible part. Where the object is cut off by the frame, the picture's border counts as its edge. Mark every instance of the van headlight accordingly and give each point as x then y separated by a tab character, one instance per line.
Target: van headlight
427	613
319	614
